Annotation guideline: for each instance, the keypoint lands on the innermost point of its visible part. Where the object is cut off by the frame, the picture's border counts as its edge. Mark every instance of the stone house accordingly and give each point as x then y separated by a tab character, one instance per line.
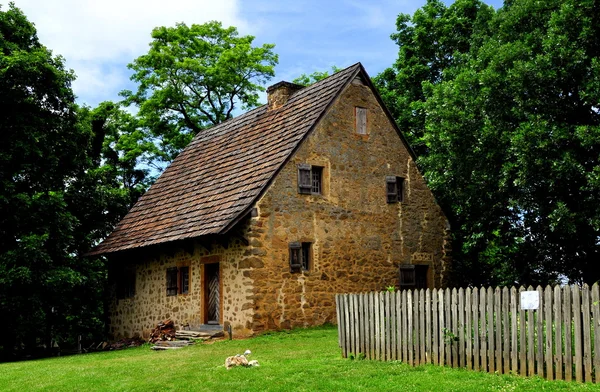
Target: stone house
263	218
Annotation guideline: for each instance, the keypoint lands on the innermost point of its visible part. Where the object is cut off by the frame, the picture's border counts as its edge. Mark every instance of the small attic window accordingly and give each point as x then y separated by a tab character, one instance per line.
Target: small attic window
310	179
360	115
394	189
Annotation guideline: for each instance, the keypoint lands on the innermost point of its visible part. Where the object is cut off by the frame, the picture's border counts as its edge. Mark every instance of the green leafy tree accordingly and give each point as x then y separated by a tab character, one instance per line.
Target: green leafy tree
432	40
307	80
513	139
47	291
194	77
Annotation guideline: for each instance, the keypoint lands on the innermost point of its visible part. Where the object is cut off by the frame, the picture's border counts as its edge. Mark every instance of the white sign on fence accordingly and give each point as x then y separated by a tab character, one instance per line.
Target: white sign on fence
530	300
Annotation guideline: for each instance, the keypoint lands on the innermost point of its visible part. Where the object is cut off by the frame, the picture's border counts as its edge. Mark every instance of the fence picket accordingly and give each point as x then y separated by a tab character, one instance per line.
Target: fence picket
405	326
435	326
382	326
540	333
483	330
454	333
514	348
522	344
468	329
447	336
506	329
475	311
558	362
531	324
441	296
416	330
409	303
393	326
587	339
428	326
596	326
577	329
490	326
461	328
548	319
386	325
422	326
498	327
568	317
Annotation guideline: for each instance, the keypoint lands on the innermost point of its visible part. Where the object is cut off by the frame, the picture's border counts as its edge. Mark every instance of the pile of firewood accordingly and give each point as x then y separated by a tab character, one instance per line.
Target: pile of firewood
163	331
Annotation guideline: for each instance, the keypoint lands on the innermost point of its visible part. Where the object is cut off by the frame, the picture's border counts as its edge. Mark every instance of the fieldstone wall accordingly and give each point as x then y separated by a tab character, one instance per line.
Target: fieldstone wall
358	239
150	305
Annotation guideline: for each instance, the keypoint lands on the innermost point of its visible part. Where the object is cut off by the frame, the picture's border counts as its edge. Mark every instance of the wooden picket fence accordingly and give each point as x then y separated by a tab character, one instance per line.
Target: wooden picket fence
480	329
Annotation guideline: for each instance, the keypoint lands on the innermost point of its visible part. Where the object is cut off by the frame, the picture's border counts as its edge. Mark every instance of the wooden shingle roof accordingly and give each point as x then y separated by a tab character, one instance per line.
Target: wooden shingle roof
218	177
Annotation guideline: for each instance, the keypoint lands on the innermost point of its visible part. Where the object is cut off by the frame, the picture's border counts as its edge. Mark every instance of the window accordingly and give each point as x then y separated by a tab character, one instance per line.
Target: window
178	280
310	179
413	276
184	280
394	189
300	256
126	282
361	120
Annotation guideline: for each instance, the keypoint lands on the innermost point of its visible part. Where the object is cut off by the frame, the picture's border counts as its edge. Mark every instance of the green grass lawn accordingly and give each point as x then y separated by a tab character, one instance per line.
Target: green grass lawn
301	360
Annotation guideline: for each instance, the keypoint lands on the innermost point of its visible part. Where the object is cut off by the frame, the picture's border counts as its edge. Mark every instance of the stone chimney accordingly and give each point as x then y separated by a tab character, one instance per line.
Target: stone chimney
279	93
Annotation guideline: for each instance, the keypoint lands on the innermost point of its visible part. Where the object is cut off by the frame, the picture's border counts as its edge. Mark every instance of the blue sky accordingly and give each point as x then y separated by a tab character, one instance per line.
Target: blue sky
99	38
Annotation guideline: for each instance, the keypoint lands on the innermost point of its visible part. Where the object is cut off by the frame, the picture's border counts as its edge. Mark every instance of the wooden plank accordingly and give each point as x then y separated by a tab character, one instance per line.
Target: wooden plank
422	326
428	323
506	329
448	318
382	326
371	326
568	325
377	343
577	329
498	327
442	326
596	325
475	312
455	326
522	342
539	325
353	318
347	322
490	334
405	326
530	344
549	358
483	329
416	327
393	327
558	356
356	326
409	306
587	338
435	327
387	326
468	328
338	319
461	328
514	347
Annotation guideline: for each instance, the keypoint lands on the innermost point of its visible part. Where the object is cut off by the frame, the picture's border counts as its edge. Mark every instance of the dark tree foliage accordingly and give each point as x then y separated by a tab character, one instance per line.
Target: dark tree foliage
512	142
307	80
56	199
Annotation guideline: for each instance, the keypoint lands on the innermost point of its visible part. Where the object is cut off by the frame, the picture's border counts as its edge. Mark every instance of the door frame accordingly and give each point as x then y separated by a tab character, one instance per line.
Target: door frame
204	301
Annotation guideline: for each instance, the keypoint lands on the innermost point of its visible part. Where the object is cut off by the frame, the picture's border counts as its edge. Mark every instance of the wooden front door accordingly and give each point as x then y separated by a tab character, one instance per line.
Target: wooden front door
212	300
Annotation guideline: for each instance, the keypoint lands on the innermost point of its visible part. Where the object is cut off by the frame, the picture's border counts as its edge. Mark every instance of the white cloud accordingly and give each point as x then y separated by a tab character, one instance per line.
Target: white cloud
91	33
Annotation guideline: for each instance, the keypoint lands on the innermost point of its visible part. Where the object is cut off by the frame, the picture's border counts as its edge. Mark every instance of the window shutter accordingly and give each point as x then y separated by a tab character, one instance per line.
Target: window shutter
391	189
304	179
295	256
361	121
172	281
